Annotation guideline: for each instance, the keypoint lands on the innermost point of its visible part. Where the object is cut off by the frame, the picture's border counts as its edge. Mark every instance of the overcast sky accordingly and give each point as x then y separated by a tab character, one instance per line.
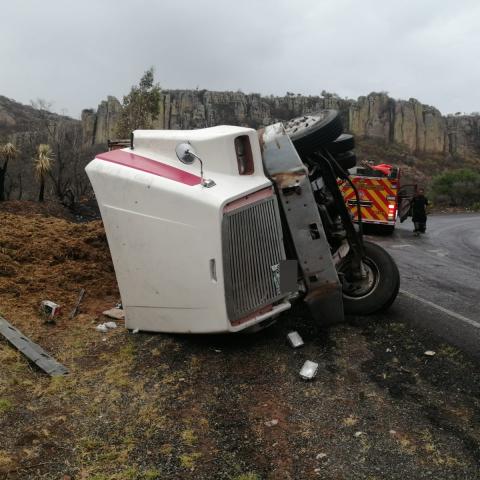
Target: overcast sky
75	53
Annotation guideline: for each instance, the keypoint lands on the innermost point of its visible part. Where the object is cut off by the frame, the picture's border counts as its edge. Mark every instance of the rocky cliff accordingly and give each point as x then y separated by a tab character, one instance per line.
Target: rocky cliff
417	127
99	126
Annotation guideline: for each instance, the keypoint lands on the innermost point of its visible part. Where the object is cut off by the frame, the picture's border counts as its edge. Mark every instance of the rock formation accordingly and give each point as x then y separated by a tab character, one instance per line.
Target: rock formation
99	126
417	127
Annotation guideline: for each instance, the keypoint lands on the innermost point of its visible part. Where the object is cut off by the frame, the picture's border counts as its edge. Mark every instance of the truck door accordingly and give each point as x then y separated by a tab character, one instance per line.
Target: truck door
405	196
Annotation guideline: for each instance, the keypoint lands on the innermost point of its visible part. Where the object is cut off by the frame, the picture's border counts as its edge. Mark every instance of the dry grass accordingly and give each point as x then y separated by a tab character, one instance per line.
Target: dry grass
147	407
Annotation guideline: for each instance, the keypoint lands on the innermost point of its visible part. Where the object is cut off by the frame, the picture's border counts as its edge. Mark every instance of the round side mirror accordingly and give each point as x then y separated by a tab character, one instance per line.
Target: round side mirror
185	153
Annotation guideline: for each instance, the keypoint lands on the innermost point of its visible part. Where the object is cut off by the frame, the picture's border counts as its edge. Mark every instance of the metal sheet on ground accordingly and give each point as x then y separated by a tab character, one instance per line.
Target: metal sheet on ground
31	350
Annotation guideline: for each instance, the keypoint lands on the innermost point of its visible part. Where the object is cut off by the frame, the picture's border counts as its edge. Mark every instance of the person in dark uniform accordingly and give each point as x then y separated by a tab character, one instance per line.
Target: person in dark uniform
419	212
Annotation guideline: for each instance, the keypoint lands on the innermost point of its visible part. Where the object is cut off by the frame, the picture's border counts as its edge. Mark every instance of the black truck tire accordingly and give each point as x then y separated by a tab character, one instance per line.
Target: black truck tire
310	132
379	291
342	144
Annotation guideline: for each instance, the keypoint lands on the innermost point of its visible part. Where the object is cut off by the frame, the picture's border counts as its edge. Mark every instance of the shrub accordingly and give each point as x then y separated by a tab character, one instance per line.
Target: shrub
458	188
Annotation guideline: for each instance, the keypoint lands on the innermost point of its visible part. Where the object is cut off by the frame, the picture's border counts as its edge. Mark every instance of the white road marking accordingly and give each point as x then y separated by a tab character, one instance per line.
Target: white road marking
473	323
440	253
401	245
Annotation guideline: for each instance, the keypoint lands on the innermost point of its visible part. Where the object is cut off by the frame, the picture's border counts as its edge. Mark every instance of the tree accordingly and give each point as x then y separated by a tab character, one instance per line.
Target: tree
140	107
7	152
43	164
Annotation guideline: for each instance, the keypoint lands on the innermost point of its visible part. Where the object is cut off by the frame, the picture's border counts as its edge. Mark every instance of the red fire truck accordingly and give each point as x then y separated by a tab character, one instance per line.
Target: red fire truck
381	198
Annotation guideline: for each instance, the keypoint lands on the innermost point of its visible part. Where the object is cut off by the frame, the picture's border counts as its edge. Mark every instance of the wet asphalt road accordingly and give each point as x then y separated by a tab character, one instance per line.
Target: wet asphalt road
440	277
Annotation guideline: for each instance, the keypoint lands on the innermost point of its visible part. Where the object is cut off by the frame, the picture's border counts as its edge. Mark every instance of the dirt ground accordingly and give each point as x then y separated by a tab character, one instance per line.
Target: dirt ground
144	406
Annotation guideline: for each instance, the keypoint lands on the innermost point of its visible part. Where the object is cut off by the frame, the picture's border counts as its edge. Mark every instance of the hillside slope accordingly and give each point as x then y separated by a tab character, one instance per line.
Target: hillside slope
16	117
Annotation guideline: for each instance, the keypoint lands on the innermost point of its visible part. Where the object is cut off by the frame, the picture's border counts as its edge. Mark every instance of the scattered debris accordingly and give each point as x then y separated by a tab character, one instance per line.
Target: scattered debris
388	350
104	327
358	434
392	432
271	423
116	313
309	370
295	339
77	305
430	353
31	350
135	331
217	351
321	456
49	310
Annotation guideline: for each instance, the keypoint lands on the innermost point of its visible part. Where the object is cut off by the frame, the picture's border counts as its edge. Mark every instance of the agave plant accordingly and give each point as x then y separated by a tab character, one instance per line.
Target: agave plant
7	152
43	164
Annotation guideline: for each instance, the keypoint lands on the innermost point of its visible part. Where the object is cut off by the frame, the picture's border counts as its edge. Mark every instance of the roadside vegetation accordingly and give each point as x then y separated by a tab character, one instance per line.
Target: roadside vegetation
457	188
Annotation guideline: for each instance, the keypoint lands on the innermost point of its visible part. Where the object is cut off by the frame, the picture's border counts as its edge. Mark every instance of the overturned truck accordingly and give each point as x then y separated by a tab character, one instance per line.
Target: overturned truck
221	229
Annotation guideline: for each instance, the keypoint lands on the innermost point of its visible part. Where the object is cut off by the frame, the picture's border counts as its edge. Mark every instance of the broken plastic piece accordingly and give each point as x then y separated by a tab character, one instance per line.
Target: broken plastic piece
309	370
101	328
271	423
110	324
295	339
429	353
115	313
135	331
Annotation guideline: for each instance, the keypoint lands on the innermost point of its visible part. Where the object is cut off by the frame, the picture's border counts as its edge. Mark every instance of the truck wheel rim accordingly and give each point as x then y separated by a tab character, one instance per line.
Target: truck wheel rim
362	288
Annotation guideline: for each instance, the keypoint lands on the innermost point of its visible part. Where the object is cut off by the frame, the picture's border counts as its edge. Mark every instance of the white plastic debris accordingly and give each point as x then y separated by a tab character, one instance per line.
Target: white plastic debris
115	313
271	423
429	353
110	324
309	370
388	350
135	331
321	456
295	339
101	328
358	434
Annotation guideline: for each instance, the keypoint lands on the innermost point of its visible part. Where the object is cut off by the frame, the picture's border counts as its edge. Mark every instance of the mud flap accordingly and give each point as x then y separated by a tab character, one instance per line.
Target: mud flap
290	178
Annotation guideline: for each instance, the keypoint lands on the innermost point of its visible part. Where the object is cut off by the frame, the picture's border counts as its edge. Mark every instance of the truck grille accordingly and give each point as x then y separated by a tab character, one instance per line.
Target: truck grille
253	249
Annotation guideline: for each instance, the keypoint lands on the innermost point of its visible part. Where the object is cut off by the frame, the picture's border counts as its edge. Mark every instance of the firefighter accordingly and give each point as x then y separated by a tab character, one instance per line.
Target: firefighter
419	212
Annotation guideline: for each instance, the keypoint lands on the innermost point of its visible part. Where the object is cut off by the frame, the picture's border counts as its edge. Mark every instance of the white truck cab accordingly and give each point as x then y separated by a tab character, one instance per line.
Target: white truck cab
217	229
192	253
